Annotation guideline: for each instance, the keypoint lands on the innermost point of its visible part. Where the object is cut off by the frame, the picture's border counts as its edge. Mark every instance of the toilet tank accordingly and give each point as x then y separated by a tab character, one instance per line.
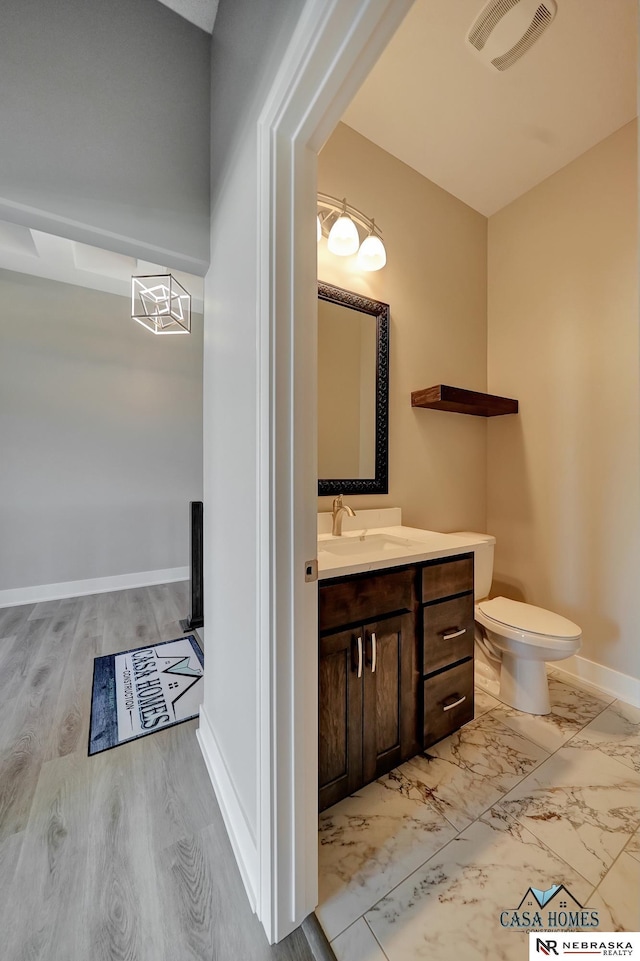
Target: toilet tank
483	563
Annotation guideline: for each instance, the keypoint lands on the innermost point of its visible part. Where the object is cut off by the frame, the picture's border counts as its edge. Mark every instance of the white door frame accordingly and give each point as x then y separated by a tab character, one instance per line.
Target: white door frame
335	44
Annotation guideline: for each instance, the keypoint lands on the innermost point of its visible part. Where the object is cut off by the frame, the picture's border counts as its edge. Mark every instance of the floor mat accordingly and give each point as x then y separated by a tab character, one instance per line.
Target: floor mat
144	690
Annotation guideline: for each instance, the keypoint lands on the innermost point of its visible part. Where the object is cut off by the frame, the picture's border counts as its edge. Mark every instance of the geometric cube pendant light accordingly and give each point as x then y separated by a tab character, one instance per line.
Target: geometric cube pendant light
161	304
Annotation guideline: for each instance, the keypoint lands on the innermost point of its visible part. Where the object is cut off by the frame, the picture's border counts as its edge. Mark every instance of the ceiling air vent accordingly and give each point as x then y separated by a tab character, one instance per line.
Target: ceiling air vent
506	29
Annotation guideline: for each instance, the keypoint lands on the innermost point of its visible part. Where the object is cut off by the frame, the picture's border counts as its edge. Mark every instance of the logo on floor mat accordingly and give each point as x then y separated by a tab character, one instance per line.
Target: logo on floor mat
147	697
554	909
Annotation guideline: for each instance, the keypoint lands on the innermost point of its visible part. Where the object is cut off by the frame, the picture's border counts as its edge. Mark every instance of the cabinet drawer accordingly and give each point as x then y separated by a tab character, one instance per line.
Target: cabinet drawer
365	598
448	702
447	577
442	624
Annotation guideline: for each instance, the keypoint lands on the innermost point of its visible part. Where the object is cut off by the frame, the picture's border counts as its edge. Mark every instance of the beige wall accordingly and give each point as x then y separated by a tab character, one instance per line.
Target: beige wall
564	476
435	283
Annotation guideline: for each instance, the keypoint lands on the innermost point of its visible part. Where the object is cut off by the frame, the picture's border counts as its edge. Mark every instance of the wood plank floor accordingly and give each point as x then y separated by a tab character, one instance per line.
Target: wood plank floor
122	856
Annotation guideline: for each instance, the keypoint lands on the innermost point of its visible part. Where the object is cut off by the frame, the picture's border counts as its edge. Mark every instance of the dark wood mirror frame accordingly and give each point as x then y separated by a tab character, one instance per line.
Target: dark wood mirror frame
379	484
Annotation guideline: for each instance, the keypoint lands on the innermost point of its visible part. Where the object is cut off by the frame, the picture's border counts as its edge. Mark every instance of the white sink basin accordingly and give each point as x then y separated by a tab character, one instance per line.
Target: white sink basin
377	548
382	544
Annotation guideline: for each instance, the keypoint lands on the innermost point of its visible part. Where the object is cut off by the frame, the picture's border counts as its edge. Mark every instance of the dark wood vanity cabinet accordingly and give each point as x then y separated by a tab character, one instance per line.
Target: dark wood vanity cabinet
395	668
447	646
369	680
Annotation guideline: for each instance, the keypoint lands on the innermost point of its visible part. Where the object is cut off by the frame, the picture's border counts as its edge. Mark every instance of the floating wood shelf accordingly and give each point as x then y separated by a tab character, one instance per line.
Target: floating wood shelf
460	401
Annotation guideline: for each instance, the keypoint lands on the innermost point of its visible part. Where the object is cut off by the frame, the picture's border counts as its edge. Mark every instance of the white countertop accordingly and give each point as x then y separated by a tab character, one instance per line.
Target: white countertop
377	548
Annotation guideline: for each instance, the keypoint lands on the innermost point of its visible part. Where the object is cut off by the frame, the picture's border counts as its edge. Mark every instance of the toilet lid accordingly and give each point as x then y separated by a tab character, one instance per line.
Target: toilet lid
526	617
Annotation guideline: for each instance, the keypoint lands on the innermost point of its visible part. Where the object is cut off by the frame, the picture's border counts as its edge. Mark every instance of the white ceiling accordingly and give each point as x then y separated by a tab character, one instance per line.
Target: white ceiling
488	137
45	255
200	12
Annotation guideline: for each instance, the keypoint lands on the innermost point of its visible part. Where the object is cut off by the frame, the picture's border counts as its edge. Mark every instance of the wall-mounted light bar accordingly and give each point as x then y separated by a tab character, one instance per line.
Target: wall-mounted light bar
339	221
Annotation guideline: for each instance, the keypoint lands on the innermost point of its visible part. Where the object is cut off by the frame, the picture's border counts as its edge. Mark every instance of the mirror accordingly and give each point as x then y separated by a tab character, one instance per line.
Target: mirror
353	392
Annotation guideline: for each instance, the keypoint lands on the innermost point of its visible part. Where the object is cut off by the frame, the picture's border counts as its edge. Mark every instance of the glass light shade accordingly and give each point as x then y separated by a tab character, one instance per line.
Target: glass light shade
343	237
161	304
372	255
319	228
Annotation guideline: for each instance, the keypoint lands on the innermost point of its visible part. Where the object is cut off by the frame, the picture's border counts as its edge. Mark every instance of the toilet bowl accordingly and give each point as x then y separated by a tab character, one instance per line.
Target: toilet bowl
514	641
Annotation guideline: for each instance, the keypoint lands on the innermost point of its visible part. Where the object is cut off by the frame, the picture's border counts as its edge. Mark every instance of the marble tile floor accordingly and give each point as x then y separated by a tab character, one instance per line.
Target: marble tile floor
421	863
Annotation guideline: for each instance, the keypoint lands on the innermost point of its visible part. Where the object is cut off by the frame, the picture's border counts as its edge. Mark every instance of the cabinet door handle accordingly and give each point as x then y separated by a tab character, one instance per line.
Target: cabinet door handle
454	633
374	652
359	656
450	707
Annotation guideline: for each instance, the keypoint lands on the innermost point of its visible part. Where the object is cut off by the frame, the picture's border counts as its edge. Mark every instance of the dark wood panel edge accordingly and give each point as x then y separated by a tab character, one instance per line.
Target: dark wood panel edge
447	667
449	597
362	622
463	554
360	575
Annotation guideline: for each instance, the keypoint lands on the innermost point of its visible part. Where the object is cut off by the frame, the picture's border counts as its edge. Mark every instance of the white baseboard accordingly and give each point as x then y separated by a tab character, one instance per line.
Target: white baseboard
94	585
604	679
238	829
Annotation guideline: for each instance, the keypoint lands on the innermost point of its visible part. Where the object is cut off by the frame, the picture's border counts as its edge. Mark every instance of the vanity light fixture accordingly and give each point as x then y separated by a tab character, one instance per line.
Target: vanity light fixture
372	255
339	221
161	304
343	238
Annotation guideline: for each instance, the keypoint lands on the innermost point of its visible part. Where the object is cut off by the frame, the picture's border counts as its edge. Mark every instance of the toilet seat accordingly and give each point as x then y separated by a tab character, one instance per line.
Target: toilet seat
528	624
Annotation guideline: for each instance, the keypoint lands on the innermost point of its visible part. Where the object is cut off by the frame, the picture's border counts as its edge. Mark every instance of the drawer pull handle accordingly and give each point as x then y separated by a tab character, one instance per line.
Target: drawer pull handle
450	707
456	633
374	652
359	657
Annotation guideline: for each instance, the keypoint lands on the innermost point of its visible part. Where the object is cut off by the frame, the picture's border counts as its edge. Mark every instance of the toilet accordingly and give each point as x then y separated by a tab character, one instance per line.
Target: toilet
515	640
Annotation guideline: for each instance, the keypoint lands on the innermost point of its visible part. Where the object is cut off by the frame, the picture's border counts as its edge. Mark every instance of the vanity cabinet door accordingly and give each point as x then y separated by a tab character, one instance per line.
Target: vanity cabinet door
340	716
391	679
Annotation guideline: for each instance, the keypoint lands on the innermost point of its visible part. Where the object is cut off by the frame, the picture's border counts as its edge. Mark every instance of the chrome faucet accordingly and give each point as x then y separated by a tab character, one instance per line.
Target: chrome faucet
338	508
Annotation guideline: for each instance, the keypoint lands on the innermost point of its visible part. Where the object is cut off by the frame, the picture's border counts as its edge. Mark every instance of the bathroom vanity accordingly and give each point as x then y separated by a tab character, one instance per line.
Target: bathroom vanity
396	629
368	679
